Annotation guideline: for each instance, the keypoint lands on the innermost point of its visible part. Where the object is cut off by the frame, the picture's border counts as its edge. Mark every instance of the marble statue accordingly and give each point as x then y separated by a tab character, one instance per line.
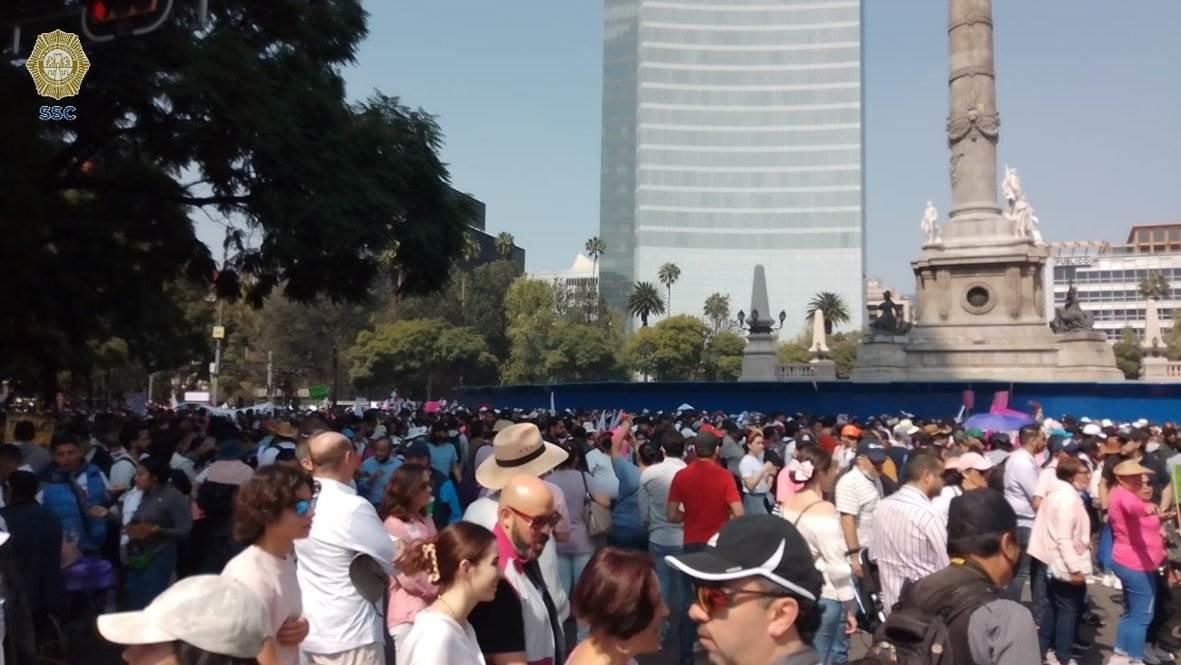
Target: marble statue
819	343
930	223
1011	186
1071	317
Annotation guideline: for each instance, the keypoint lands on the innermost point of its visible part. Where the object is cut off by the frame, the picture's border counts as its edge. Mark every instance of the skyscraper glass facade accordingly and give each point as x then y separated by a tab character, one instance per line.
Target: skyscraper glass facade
732	136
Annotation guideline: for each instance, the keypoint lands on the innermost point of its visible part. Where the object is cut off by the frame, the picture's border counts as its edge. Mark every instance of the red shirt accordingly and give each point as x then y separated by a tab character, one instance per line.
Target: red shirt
706	491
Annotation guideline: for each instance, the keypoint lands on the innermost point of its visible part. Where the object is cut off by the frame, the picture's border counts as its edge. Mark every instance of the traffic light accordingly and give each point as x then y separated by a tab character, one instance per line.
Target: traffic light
106	11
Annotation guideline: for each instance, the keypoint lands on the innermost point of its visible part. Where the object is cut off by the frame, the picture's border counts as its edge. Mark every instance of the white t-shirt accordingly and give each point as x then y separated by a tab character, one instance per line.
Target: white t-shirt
436	638
274	581
749	467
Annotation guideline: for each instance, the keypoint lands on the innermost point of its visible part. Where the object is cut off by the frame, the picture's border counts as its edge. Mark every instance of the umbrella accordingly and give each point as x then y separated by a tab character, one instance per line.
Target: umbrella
998	422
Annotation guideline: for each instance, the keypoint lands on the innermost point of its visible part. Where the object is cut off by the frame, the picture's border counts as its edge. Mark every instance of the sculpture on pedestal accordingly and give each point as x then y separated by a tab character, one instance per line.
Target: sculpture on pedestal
1071	317
890	320
1020	210
930	224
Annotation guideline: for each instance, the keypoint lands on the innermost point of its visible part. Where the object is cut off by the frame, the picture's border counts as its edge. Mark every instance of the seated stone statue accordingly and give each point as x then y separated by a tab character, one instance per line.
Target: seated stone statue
1071	317
890	320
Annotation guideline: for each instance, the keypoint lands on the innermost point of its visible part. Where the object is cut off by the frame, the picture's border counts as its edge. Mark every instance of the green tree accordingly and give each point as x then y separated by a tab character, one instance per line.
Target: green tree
843	351
795	350
243	119
530	316
504	244
832	305
672	351
1128	354
417	356
668	275
1154	286
594	249
644	301
717	309
722	358
581	352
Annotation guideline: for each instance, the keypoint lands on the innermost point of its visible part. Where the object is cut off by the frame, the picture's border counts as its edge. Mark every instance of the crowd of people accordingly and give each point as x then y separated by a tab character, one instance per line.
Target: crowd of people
506	537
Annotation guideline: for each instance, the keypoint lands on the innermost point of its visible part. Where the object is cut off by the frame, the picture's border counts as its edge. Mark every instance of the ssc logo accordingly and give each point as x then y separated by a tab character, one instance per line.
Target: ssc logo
57	64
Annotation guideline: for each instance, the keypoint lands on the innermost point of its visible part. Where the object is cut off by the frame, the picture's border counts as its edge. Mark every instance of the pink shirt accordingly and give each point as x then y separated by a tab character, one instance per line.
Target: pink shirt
1061	536
409	594
1137	539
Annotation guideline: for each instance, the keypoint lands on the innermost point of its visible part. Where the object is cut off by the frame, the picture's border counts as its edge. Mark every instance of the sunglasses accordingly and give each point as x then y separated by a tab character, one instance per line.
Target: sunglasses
538	522
302	507
714	599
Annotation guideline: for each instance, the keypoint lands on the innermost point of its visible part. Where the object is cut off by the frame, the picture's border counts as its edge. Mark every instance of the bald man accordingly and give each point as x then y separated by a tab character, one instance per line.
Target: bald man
344	628
520	626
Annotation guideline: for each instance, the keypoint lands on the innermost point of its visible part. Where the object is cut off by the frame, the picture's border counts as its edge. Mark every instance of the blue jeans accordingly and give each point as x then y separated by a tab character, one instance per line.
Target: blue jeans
1104	550
570	568
831	643
144	584
1139	598
754	504
1064	604
677	594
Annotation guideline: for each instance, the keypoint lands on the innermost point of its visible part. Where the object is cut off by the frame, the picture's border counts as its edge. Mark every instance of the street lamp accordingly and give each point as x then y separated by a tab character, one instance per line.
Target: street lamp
758	325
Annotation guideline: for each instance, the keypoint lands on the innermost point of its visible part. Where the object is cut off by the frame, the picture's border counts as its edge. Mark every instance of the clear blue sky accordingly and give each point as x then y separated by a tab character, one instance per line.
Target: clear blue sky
1089	94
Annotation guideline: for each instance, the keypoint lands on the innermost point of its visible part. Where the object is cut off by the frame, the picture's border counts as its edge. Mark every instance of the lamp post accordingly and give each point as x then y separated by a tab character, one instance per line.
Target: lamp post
758	325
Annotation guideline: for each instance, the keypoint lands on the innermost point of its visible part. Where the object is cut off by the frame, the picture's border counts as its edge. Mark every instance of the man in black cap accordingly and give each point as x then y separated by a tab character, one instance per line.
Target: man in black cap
756	588
982	542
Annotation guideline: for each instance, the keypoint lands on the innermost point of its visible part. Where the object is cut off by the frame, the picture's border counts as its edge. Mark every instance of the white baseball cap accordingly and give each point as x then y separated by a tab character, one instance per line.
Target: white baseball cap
211	612
1092	429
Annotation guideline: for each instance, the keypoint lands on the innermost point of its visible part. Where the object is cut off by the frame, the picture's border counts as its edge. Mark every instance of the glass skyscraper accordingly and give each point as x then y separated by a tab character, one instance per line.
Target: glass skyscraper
732	136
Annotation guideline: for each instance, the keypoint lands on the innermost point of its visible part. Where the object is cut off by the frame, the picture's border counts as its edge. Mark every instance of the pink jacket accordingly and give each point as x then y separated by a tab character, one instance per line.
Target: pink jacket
1061	536
409	594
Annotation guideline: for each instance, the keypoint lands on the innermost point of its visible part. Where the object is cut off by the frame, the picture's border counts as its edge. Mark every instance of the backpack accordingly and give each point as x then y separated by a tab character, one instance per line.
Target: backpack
996	477
929	625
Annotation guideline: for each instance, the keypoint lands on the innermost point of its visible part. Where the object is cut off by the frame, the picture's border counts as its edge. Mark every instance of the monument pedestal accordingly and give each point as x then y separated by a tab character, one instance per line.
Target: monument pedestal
980	315
758	359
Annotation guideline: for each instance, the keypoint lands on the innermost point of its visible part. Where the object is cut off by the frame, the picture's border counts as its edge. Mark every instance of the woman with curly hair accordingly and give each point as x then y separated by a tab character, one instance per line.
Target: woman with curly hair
462	561
271	511
404	509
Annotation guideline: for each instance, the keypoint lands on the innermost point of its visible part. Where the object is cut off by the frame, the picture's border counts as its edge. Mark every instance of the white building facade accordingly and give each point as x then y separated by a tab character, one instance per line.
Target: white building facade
1108	276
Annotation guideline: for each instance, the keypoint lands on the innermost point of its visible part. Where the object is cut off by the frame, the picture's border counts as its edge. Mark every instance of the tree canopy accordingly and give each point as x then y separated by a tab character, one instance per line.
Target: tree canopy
832	305
644	301
419	356
244	120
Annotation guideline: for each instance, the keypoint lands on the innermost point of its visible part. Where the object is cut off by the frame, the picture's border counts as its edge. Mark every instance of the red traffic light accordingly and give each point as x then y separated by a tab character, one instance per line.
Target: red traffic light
106	11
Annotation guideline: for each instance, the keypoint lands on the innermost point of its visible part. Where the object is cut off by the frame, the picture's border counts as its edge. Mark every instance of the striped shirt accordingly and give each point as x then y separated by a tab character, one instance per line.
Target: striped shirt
859	495
909	541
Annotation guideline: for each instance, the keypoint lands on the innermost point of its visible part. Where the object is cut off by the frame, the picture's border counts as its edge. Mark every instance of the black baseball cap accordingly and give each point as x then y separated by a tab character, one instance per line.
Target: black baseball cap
416	449
755	546
979	512
873	450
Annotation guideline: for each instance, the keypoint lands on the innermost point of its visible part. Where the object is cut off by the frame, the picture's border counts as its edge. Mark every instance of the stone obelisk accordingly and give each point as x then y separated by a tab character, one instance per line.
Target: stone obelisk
979	286
758	358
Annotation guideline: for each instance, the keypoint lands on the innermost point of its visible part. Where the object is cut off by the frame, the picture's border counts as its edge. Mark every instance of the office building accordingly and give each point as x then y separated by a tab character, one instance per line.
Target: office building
732	136
489	251
1108	276
579	280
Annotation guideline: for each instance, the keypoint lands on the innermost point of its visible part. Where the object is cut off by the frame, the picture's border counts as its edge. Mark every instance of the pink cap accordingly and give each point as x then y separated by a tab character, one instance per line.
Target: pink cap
973	461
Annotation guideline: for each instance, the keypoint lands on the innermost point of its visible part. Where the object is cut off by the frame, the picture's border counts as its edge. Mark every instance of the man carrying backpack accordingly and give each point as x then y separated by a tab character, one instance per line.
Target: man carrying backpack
963	609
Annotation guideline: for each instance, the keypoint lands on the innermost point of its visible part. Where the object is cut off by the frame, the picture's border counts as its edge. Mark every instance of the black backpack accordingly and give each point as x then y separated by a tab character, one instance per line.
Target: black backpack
930	621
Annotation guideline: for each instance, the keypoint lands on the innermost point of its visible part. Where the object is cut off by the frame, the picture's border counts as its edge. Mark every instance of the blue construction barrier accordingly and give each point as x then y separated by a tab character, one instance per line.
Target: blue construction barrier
1118	401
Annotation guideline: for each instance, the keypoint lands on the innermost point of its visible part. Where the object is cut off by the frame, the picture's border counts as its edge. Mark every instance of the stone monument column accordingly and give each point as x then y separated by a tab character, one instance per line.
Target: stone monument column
973	124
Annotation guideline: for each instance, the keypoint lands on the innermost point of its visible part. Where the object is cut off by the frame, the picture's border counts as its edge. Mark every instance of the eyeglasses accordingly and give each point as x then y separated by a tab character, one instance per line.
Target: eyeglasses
538	522
714	599
302	507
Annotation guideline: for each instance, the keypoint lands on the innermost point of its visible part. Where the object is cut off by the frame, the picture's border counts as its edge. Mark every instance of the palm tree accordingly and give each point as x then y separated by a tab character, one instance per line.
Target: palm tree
504	244
717	309
1154	286
644	301
833	307
668	275
594	249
